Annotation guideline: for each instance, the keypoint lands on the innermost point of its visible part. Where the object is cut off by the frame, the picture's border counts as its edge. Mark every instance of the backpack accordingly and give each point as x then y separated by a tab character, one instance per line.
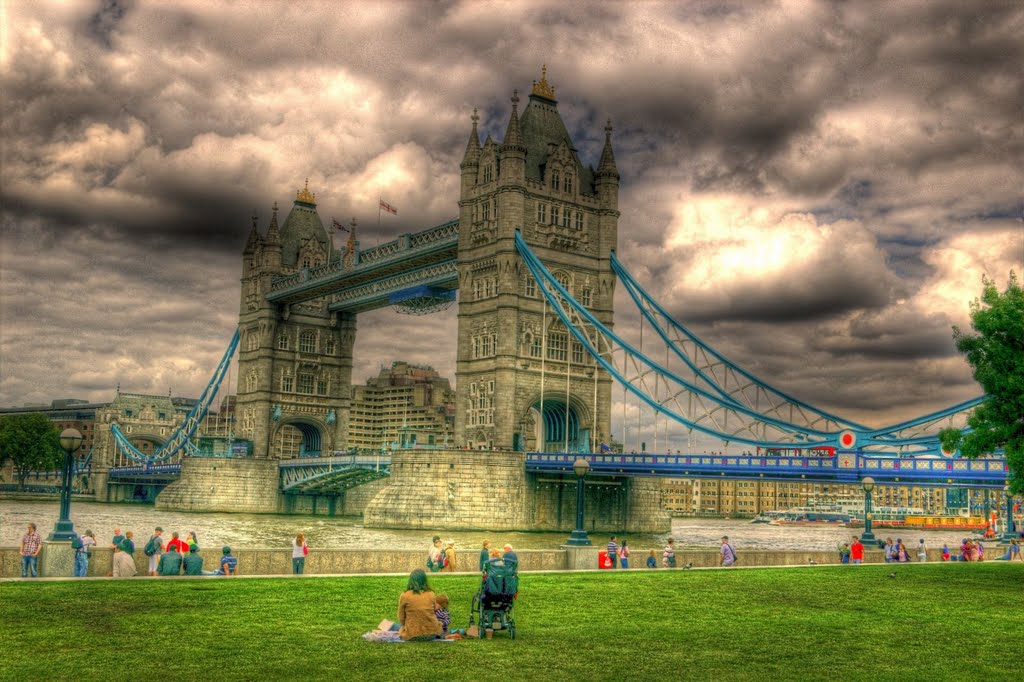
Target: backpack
151	546
76	542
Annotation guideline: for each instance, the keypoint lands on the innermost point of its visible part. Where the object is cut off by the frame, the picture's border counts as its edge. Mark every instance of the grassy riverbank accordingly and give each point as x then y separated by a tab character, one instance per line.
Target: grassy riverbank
826	622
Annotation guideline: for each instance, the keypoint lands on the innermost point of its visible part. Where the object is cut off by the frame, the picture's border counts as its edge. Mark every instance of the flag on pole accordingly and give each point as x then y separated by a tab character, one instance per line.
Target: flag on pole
605	448
339	226
388	207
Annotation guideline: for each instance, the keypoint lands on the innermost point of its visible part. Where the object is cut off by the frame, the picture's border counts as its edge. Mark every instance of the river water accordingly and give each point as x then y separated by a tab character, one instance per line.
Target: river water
270	530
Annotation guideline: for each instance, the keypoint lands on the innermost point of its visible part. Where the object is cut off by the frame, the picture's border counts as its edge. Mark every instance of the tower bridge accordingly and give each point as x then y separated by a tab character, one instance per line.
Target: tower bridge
532	257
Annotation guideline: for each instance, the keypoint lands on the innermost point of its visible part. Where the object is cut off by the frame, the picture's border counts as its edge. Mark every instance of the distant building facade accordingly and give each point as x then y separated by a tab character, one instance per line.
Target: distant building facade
405	405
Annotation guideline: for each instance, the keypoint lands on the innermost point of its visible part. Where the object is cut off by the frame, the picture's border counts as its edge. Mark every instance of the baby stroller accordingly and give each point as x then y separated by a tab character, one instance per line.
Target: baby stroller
494	604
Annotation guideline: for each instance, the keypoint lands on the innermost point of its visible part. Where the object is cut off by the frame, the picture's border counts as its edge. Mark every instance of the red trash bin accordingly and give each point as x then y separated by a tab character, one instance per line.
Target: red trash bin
602	559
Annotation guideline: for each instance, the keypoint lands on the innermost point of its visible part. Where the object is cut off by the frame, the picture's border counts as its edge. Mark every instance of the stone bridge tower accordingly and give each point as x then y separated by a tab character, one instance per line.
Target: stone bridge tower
294	361
532	181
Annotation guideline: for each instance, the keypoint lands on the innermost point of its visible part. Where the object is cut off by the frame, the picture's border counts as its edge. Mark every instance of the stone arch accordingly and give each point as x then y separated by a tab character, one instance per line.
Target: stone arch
300	437
546	431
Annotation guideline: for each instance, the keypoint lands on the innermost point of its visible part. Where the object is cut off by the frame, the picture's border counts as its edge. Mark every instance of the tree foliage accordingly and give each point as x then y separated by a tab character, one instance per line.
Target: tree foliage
31	442
996	352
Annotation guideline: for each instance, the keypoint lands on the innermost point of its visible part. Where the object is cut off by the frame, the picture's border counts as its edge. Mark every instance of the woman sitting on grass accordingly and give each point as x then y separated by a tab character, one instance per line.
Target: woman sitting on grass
416	609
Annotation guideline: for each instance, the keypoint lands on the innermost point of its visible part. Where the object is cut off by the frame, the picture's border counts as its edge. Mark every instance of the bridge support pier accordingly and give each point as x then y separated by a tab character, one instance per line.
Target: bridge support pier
223	485
490	490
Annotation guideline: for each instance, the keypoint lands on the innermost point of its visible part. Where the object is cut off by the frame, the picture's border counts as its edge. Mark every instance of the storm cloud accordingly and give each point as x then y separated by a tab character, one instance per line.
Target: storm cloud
817	188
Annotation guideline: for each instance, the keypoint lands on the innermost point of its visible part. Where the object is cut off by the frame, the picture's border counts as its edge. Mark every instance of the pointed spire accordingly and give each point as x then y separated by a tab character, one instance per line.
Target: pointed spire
273	234
513	134
607	166
472	154
254	235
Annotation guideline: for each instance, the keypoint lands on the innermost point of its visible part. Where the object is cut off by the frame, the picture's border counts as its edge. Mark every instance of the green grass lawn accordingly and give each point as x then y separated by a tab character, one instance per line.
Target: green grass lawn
934	621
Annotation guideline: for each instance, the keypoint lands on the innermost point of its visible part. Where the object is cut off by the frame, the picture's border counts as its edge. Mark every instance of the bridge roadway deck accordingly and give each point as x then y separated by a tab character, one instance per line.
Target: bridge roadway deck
843	468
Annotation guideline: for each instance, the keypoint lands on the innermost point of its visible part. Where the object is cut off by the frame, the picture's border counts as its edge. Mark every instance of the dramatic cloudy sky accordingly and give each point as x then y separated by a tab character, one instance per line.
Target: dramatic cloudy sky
817	188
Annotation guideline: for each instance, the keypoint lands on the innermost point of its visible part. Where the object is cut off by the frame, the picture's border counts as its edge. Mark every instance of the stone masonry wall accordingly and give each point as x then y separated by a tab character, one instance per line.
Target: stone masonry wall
611	505
223	485
452	489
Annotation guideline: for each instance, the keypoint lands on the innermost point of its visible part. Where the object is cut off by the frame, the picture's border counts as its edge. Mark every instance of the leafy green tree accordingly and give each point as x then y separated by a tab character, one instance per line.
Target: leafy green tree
996	352
31	442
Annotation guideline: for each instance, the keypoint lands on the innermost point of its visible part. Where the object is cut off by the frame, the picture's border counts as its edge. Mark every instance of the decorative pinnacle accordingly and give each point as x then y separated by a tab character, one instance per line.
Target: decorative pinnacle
304	195
474	117
515	98
608	129
542	88
255	219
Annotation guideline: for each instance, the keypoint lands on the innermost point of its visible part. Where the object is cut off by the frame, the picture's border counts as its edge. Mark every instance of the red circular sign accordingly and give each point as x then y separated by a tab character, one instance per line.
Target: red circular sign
847	439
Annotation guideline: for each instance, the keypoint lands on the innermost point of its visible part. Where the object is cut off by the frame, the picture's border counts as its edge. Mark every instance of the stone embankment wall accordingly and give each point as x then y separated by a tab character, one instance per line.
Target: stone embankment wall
334	561
223	485
490	490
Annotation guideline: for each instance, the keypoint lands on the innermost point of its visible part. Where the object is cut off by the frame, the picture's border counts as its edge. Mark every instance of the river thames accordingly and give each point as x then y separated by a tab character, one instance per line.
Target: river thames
270	530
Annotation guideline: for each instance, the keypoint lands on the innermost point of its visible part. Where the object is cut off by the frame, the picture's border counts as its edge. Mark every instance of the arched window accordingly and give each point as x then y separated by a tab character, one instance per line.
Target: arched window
252	341
251	383
554	179
307	343
563	279
568	183
329	347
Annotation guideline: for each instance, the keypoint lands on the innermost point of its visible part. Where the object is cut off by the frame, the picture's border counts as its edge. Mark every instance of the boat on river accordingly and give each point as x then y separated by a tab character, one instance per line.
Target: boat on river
810	516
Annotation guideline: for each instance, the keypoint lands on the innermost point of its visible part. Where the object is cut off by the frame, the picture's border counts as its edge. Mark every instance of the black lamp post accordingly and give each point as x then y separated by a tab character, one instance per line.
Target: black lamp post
1011	529
868	484
70	439
579	536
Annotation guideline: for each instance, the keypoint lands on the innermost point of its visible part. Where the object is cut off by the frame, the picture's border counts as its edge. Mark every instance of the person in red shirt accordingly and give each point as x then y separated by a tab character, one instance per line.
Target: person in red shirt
857	551
176	542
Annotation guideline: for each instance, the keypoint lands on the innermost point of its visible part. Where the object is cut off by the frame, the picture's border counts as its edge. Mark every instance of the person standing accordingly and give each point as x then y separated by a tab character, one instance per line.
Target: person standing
128	544
31	543
175	542
510	556
624	555
890	551
727	556
154	548
485	555
613	551
299	552
857	551
449	557
435	555
82	553
668	556
922	551
118	538
122	564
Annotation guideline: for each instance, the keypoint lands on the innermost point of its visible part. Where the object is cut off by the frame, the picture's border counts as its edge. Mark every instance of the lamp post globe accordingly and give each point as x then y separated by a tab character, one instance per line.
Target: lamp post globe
70	439
868	484
579	536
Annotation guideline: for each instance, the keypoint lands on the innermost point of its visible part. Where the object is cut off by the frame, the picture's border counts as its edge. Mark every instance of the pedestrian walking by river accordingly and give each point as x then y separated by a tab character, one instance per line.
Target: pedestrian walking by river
31	543
128	544
154	548
299	552
118	538
83	551
857	551
668	555
449	558
624	555
727	555
485	555
613	551
922	551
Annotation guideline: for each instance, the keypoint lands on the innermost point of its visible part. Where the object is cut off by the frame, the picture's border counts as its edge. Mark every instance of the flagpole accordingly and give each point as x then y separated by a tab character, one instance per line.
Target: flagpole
379	202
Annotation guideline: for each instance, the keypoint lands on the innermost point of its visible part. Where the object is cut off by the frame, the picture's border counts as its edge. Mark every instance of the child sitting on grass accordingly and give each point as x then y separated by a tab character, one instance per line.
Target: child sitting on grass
441	612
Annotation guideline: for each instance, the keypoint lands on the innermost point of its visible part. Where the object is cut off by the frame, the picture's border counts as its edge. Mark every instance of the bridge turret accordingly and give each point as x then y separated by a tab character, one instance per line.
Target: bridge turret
607	177
512	153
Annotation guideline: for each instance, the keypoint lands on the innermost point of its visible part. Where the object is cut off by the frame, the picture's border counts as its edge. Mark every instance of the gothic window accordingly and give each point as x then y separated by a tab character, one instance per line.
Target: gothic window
568	183
558	346
554	180
577	353
531	286
585	297
579	220
487	211
542	212
488	172
282	341
329	347
286	383
252	341
306	383
251	383
566	215
535	347
563	279
554	215
321	387
305	262
307	342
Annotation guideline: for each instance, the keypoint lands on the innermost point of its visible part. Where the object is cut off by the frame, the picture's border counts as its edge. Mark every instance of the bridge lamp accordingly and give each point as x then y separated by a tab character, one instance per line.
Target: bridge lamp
70	439
1011	529
579	536
868	484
